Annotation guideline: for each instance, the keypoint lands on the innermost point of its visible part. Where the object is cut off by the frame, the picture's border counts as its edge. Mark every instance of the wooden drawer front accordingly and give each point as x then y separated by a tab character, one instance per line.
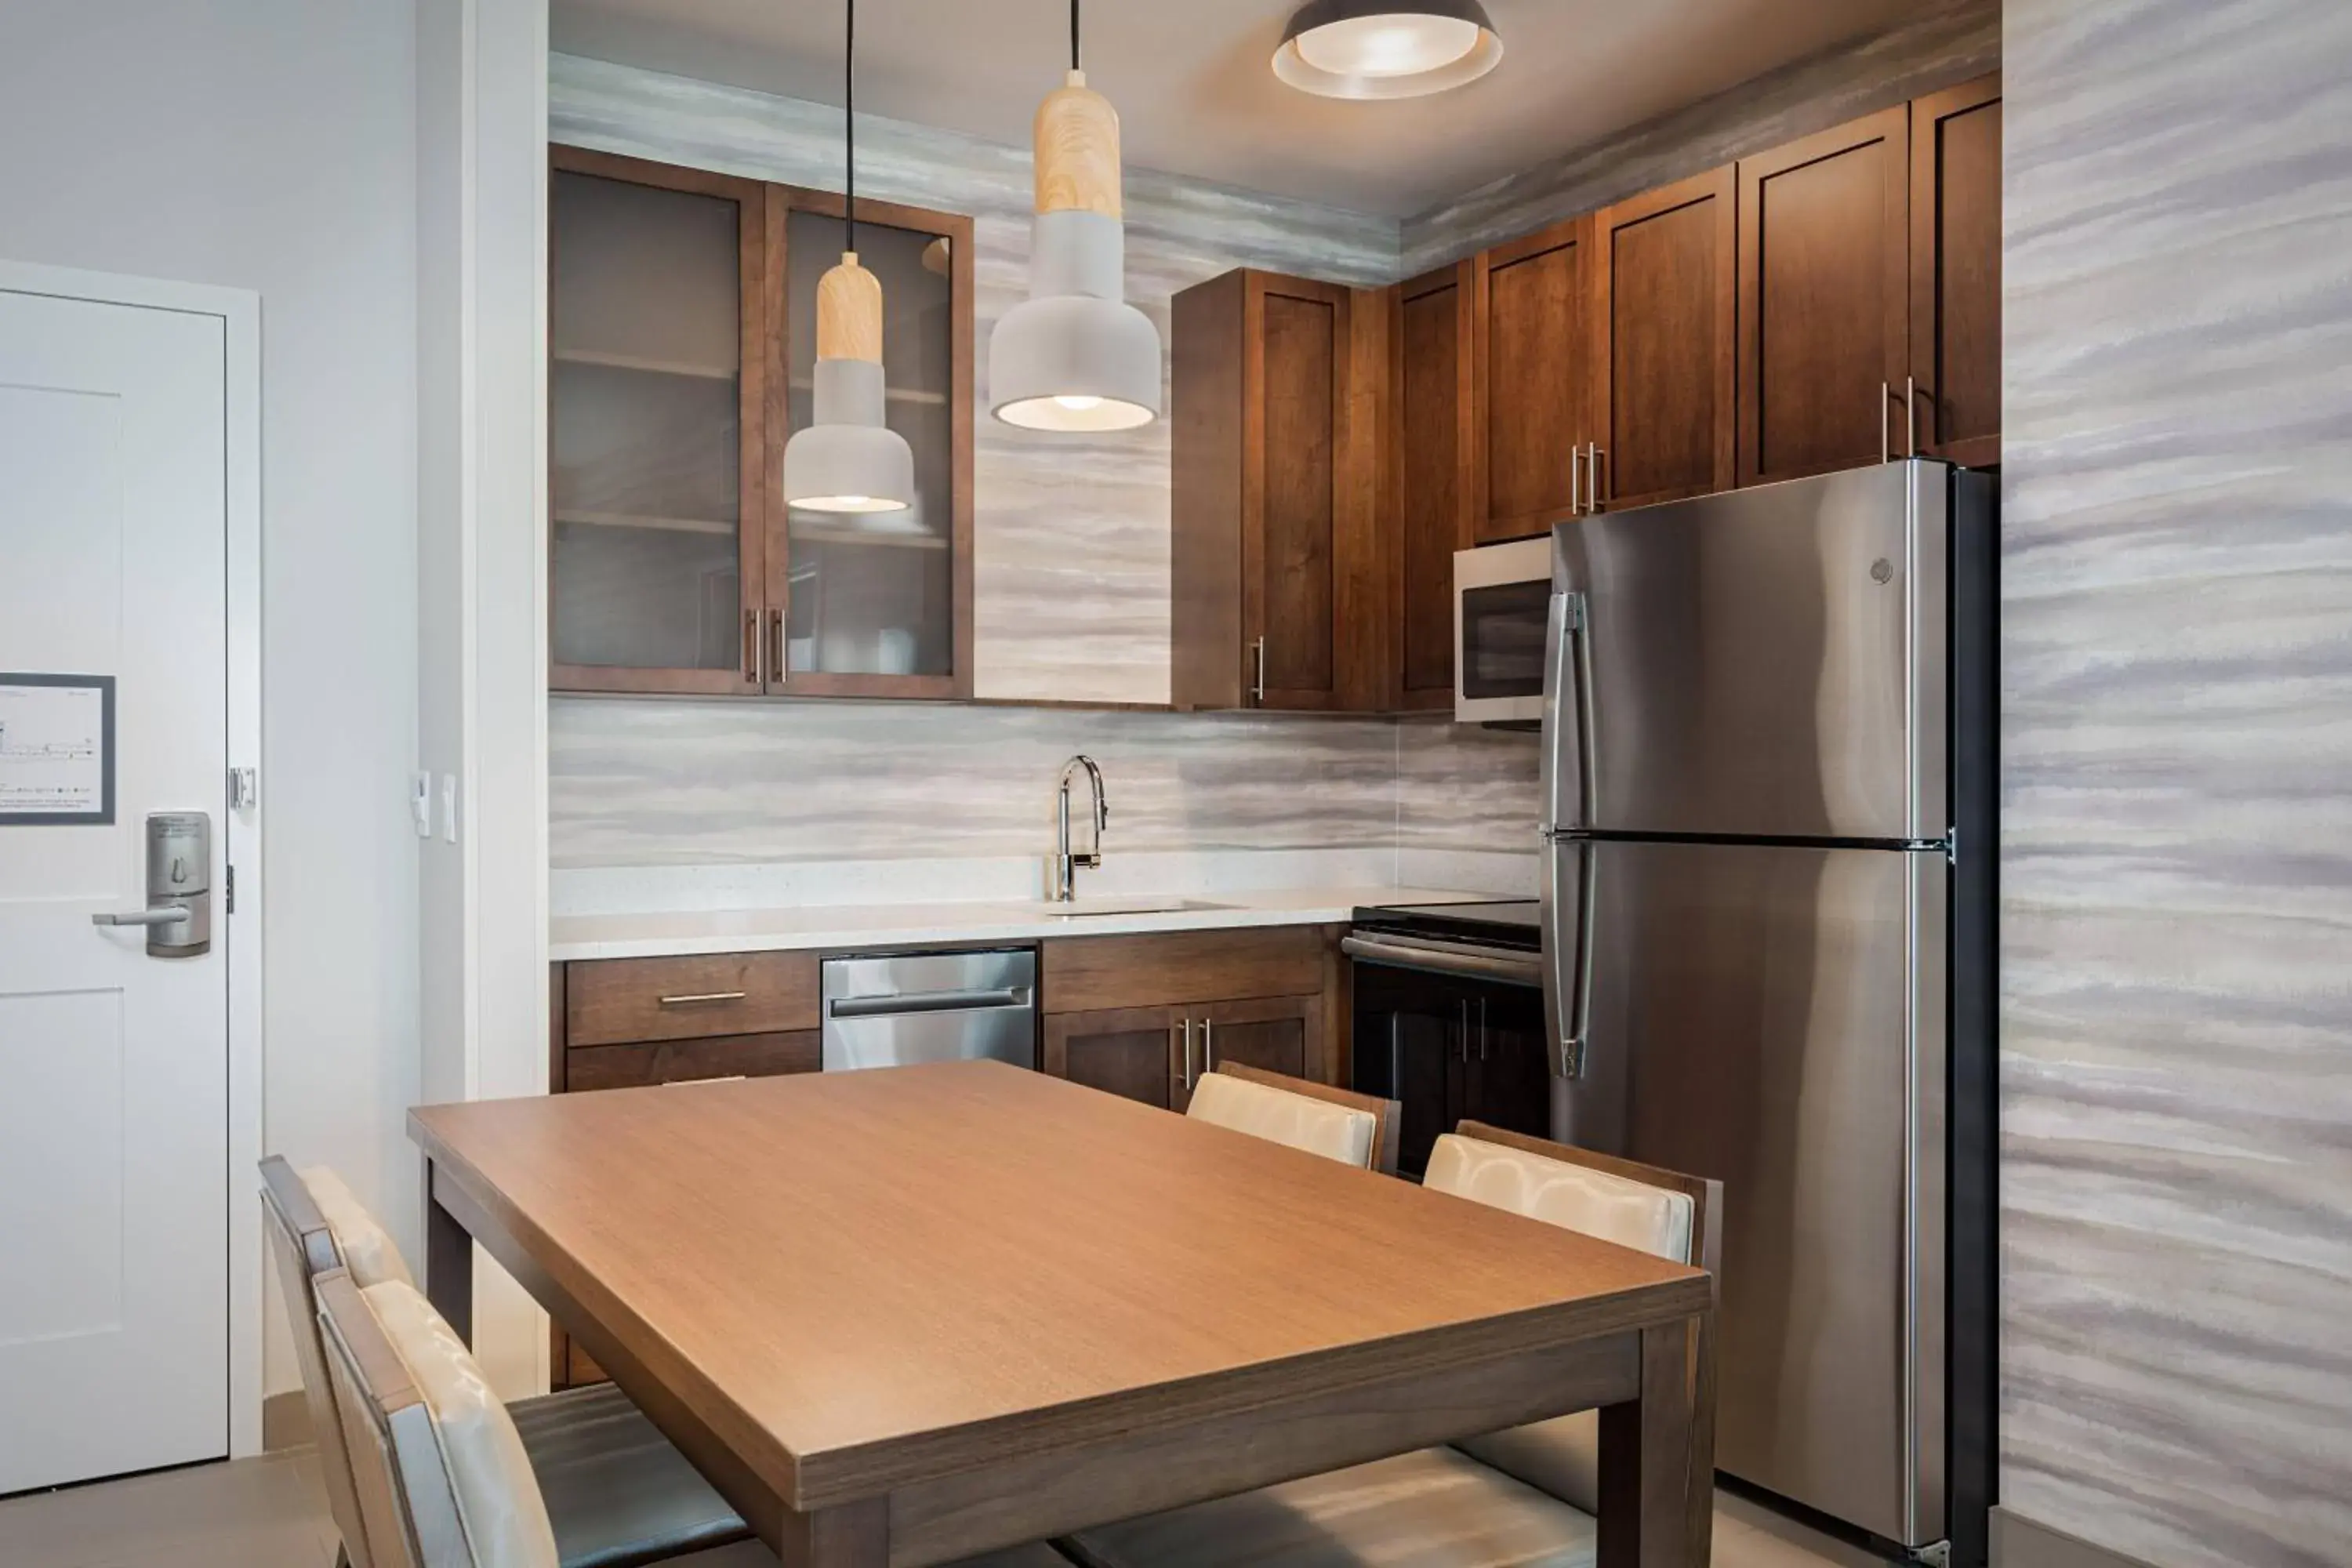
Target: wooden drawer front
622	1000
683	1062
1172	968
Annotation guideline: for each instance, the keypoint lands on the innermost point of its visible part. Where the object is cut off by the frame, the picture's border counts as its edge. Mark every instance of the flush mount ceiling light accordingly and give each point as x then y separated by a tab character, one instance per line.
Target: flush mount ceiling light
1386	48
848	459
1074	355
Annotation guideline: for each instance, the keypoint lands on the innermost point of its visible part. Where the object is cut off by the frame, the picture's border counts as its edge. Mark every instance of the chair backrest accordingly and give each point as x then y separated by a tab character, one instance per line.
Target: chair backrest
302	1246
1337	1123
1656	1210
367	1248
443	1478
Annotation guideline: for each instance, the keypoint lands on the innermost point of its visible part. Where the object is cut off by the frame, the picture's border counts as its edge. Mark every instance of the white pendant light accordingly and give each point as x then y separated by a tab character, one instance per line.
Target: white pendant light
848	459
1074	355
1386	48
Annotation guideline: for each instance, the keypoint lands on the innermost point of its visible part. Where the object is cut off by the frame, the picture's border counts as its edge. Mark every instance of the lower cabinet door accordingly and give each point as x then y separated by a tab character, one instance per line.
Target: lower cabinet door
1283	1033
1130	1051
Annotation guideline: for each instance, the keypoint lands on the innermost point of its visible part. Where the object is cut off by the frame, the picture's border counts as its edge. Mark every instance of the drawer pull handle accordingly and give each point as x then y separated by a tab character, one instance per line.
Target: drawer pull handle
701	997
682	1082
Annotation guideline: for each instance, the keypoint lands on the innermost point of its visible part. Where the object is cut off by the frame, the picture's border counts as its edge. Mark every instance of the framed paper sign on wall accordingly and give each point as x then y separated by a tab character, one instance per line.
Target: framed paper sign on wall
57	750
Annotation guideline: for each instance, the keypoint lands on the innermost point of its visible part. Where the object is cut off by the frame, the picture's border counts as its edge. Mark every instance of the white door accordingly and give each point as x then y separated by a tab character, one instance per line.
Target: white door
113	1064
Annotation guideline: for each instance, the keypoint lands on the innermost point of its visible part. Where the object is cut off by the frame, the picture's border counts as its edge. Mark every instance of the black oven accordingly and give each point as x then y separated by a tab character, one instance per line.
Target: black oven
1449	1019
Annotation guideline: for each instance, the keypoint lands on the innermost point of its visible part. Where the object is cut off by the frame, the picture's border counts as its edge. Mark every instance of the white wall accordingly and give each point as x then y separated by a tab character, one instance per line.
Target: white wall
271	146
482	555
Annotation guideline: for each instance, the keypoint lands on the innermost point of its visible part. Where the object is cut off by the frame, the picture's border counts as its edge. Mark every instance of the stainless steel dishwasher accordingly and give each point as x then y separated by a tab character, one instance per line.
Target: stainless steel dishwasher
913	1007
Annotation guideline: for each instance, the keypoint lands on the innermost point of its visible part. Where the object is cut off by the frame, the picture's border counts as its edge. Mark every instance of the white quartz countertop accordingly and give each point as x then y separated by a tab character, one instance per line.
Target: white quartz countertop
578	937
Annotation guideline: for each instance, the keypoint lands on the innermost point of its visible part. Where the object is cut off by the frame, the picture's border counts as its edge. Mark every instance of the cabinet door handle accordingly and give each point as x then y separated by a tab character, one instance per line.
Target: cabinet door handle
1575	468
751	646
1910	417
1208	1046
1259	691
1186	1076
699	998
776	670
1482	1028
1885	445
1593	454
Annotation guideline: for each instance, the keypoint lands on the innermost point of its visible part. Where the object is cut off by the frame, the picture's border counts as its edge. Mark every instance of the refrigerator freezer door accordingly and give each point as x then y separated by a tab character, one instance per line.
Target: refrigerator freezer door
1773	1017
1763	663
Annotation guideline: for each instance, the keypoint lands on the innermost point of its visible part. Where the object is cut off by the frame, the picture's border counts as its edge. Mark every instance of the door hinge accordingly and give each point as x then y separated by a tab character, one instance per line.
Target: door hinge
230	892
243	789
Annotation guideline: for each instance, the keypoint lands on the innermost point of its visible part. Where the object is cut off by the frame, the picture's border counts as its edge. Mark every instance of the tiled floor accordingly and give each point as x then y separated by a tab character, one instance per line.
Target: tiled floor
271	1513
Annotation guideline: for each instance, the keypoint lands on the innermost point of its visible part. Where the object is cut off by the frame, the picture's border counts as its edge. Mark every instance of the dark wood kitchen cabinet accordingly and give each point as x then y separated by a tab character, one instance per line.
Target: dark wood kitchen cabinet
1531	321
1664	357
1956	271
627	1023
1144	1015
1274	494
1433	411
681	336
657	431
1824	299
1155	1055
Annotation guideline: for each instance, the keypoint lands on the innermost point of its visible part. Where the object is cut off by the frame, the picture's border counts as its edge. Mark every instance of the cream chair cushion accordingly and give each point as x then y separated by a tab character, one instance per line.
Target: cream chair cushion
1433	1508
1562	1455
366	1245
498	1499
1301	1120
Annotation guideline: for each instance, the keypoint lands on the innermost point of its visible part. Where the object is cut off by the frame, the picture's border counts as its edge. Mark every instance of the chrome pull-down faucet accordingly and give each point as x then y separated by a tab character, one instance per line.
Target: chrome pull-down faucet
1066	864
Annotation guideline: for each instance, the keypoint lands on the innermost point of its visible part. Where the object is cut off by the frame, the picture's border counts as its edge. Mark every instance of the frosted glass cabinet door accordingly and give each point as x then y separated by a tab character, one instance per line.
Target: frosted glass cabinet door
656	426
879	604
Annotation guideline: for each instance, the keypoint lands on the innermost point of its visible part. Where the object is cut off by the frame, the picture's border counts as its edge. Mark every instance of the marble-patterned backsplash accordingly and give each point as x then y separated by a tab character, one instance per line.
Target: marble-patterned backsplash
1939	43
671	783
1071	555
2175	1171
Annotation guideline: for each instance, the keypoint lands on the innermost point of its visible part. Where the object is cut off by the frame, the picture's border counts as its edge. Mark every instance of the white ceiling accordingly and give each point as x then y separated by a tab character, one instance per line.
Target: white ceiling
1195	92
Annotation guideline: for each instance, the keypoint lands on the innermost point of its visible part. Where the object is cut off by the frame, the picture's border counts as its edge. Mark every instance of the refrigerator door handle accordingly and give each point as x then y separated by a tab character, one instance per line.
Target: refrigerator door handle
1568	988
1568	638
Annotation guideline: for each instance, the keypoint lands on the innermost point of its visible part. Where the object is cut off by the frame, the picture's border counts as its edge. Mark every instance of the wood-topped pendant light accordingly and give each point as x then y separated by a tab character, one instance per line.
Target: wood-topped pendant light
1074	355
848	459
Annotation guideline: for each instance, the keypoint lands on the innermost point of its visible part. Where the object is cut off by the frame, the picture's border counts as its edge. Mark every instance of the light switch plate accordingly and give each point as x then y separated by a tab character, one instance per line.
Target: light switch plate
420	803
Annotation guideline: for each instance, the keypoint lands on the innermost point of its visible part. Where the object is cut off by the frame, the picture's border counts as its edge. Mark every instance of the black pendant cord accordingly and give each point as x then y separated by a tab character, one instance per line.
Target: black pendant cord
849	124
1074	35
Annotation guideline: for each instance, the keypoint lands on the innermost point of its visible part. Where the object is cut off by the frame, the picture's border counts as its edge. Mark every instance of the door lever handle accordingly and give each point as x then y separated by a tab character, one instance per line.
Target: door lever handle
141	918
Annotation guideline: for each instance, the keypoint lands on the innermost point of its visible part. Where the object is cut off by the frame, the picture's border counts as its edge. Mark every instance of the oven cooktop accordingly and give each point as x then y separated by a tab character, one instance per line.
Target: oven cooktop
1501	923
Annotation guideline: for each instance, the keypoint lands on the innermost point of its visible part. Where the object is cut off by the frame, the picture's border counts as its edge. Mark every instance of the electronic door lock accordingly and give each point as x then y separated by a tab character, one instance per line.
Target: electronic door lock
179	912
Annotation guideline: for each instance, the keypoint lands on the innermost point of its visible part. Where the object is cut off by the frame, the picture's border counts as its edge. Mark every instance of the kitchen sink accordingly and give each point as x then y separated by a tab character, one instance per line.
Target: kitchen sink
1088	908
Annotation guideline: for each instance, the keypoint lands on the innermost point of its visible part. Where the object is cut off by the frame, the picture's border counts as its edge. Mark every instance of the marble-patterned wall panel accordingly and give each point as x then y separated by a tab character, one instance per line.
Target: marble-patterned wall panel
1071	566
1941	43
2177	729
1460	786
683	783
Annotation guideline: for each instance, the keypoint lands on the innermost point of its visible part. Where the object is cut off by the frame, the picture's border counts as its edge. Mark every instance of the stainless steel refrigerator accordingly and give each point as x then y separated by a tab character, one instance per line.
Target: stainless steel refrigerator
1767	933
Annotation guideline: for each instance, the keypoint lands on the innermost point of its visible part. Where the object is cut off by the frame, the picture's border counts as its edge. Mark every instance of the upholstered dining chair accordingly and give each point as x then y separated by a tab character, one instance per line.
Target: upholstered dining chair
616	1492
1522	1499
440	1471
1337	1123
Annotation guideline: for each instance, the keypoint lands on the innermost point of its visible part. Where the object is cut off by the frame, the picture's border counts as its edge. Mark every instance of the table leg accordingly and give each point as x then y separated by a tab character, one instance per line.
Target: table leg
851	1535
448	1263
1647	1449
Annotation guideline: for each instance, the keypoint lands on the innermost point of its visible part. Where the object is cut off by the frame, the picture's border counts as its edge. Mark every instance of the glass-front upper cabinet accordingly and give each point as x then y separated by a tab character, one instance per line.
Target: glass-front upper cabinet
656	425
879	603
682	337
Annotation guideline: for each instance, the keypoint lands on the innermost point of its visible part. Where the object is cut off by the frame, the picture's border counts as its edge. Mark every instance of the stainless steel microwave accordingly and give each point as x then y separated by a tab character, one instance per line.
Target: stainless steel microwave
1502	593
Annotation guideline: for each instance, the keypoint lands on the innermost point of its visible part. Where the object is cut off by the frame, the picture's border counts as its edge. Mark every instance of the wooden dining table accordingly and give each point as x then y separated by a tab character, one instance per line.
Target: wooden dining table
902	1316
